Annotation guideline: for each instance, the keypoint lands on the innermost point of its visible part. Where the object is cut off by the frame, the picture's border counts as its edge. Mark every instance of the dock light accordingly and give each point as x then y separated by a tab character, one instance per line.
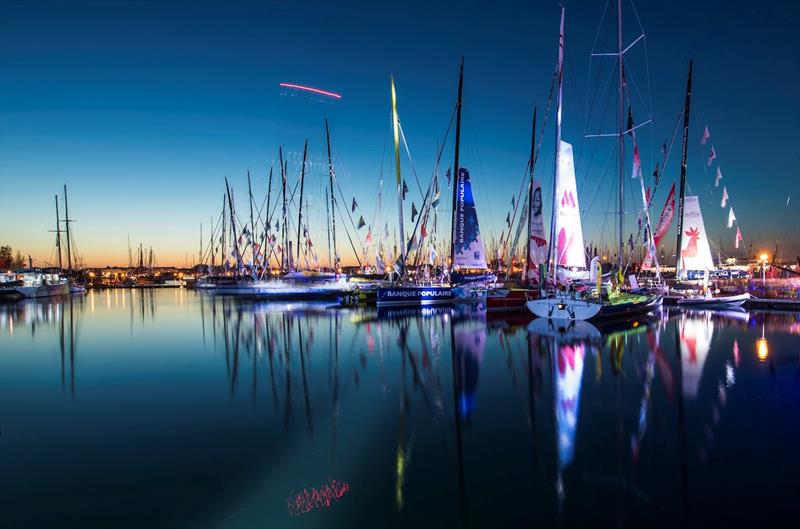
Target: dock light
762	349
764	257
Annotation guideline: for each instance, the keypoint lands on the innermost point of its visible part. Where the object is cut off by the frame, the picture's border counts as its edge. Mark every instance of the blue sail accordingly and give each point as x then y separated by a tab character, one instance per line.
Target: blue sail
467	244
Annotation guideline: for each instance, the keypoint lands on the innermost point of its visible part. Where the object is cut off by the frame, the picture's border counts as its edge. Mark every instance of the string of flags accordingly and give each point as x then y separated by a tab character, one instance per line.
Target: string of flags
712	156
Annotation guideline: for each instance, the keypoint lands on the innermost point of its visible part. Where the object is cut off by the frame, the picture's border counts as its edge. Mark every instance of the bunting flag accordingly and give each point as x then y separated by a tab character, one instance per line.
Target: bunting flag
368	239
731	218
647	196
405	189
711	156
706	136
630	241
414	211
664	148
435	201
637	162
354	206
513	201
724	196
277	225
448	177
630	122
423	230
308	243
738	237
508	219
432	255
361	222
718	177
412	244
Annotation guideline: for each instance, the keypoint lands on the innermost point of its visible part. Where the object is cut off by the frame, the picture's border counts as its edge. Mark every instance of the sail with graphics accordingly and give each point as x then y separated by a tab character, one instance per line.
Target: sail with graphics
569	234
468	248
537	253
695	252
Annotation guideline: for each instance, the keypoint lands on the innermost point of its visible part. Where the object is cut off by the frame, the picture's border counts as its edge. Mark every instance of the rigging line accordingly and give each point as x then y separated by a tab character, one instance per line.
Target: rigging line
410	160
589	94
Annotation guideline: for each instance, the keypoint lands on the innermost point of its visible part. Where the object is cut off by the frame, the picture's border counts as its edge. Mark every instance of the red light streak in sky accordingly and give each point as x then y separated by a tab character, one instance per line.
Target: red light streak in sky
311	89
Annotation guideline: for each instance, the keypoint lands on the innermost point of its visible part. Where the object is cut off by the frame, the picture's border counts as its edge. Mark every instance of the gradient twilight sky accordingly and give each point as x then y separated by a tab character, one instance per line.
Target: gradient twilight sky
142	108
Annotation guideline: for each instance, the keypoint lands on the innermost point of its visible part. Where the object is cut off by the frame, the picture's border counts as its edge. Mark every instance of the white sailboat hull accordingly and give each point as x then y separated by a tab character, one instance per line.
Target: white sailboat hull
563	308
726	302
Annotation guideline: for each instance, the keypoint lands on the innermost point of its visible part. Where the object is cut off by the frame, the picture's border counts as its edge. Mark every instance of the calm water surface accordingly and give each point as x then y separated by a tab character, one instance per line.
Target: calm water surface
173	408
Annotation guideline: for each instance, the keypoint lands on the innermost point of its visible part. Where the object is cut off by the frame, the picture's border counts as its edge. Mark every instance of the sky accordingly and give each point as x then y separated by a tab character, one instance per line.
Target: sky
143	108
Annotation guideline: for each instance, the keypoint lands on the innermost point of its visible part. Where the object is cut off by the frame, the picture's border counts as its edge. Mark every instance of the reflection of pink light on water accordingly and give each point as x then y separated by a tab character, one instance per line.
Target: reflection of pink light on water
324	496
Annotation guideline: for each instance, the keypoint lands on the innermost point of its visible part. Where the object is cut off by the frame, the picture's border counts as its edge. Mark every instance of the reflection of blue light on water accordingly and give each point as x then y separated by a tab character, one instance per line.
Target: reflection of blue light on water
466	405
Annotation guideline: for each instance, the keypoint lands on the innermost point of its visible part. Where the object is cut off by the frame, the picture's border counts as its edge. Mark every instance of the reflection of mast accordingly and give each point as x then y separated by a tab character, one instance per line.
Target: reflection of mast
401	460
71	350
459	445
682	426
335	410
61	345
305	381
287	342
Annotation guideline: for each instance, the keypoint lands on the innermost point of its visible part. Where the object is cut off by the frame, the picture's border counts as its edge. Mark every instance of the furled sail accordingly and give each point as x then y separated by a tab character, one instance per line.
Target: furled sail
569	235
695	252
538	243
469	251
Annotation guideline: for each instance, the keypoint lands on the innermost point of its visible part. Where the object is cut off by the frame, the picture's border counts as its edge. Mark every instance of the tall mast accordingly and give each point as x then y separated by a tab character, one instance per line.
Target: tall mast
200	255
300	209
396	130
58	234
333	197
560	76
130	253
328	223
530	197
67	221
233	226
684	148
223	251
456	165
269	197
284	260
252	224
620	134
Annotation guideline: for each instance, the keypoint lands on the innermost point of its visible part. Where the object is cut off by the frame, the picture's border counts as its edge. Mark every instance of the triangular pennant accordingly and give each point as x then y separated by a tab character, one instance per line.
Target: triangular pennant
724	197
413	211
706	136
711	156
718	177
361	222
731	218
354	206
405	189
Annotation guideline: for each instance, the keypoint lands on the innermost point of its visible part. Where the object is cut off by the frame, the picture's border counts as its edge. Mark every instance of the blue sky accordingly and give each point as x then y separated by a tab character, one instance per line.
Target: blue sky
142	108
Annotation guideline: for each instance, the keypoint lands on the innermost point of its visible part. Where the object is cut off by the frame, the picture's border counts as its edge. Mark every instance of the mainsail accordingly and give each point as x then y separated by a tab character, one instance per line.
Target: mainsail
469	251
569	235
538	243
695	252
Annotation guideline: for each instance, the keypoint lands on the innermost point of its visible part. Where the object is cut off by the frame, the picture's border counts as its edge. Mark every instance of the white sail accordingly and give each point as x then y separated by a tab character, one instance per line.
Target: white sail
538	238
569	234
695	252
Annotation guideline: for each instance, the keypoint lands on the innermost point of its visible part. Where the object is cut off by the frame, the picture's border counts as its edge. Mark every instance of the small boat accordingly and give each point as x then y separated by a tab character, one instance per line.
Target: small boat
721	302
574	306
34	283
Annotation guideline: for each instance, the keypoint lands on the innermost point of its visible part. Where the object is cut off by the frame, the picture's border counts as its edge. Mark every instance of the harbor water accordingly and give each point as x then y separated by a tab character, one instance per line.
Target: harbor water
177	408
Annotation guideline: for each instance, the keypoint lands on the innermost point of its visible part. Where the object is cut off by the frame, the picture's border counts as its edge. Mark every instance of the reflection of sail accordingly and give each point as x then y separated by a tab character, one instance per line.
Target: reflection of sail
695	336
470	341
569	373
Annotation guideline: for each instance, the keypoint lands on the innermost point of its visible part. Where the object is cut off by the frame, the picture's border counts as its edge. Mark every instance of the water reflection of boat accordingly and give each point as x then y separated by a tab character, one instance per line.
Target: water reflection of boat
469	343
570	330
695	332
716	302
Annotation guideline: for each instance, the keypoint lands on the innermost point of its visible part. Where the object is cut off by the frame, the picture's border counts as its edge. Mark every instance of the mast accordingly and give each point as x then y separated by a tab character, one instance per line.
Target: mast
328	223
456	165
223	254
58	235
233	226
395	128
269	197
284	261
620	134
67	221
333	197
530	198
550	252
200	258
300	209
252	224
684	148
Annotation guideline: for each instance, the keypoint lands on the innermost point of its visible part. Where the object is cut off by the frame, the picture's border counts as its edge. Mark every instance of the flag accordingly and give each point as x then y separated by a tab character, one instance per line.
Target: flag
664	222
630	241
711	156
414	211
423	230
513	203
664	148
630	122
718	177
731	218
738	236
637	162
354	206
432	255
361	222
508	219
706	136
405	189
277	225
724	196
412	244
368	239
435	201
448	176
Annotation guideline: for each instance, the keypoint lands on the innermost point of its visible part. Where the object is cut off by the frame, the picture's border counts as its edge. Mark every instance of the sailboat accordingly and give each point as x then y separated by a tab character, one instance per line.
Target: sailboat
400	293
566	250
694	253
